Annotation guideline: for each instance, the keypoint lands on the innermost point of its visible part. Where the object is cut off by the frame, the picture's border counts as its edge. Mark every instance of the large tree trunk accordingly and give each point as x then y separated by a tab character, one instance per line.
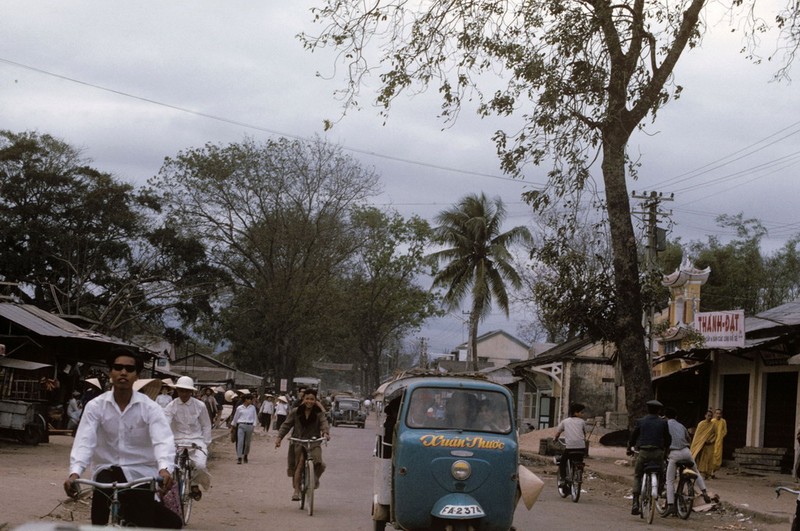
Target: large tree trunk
629	331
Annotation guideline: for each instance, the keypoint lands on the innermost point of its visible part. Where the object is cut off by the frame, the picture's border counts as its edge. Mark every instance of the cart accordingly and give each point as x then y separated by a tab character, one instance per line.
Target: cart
19	420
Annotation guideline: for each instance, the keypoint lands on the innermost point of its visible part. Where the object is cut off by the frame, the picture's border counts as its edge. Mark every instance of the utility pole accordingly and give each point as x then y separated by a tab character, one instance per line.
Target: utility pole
423	352
469	335
656	241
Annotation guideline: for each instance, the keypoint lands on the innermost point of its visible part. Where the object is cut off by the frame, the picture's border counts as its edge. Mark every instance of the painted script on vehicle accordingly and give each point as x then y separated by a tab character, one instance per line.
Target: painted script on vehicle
461	442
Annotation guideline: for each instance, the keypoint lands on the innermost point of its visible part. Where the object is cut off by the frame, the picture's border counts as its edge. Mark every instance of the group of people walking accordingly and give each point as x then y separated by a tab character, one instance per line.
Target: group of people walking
706	445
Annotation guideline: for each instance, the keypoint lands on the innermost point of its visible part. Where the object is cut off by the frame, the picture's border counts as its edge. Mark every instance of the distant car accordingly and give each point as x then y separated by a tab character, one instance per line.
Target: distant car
348	411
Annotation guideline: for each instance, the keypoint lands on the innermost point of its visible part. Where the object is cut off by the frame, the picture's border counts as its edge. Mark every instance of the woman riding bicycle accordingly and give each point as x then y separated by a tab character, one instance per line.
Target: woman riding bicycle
308	421
574	430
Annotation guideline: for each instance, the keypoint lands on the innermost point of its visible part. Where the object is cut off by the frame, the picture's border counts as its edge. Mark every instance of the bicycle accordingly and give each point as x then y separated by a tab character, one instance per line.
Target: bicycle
684	491
308	480
651	486
649	494
573	476
796	519
184	470
116	487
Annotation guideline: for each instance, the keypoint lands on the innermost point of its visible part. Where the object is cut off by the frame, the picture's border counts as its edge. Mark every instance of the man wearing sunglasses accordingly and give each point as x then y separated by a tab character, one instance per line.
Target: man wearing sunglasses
126	435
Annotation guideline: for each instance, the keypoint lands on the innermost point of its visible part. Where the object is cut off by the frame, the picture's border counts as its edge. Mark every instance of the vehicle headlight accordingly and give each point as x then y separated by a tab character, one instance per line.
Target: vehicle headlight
461	470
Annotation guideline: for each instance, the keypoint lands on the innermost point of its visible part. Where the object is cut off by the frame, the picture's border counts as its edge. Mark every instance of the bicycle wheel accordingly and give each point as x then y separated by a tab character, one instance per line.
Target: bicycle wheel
186	494
661	502
311	482
575	482
684	498
646	500
303	487
563	489
651	499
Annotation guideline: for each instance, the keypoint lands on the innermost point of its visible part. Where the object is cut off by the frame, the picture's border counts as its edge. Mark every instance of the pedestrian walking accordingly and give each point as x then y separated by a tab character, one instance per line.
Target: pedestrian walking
243	421
281	410
703	445
266	411
74	410
210	402
720	431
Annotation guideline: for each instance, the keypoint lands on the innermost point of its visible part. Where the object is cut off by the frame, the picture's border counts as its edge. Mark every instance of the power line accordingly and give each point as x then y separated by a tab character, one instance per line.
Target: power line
261	128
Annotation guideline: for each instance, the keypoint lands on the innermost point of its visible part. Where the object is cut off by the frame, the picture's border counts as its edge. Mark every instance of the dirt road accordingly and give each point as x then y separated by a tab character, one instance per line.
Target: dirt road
252	496
257	495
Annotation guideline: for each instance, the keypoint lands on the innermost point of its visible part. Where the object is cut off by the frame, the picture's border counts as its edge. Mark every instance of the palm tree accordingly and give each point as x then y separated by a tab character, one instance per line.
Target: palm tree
477	260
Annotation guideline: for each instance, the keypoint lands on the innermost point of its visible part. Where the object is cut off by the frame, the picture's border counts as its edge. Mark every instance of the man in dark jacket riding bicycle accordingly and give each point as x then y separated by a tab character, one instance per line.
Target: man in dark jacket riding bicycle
650	436
308	421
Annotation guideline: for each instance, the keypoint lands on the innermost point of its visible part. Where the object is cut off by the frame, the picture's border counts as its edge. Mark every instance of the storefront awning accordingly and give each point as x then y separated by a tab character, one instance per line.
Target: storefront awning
25	365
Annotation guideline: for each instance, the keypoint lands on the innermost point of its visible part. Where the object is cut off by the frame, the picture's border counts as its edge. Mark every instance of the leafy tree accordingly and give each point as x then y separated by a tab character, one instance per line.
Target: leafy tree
583	75
741	276
782	282
275	217
569	285
384	301
81	243
476	259
737	268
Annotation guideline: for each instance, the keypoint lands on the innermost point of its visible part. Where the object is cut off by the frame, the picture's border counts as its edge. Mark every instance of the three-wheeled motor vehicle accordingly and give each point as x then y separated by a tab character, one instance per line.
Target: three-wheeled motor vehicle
447	456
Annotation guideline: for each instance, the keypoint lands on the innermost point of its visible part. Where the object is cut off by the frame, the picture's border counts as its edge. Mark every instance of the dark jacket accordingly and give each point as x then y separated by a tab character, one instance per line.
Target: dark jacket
316	425
650	431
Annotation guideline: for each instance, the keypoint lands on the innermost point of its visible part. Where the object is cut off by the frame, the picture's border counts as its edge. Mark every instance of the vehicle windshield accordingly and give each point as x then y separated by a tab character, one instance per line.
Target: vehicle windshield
348	404
459	409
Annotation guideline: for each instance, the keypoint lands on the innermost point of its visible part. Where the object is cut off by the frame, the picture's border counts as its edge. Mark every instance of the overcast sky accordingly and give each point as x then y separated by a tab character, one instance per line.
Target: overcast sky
134	82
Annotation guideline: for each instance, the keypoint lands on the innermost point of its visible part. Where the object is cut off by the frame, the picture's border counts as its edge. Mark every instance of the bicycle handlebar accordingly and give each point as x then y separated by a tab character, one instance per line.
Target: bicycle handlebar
308	442
194	446
119	485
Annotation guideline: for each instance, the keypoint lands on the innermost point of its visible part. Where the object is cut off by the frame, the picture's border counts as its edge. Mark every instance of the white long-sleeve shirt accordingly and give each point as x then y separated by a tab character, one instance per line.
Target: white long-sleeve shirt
244	415
189	422
267	407
138	440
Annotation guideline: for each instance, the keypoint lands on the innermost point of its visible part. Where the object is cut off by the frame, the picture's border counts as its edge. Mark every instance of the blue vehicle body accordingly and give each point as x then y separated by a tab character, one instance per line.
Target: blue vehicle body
450	455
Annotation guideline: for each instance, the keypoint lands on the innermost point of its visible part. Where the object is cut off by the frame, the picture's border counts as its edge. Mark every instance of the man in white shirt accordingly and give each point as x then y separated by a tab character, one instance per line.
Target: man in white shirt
574	430
188	418
127	437
243	421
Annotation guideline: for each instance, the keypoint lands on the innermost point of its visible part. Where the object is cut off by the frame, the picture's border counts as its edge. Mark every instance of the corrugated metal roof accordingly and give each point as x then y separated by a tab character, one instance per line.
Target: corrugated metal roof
46	324
784	315
13	363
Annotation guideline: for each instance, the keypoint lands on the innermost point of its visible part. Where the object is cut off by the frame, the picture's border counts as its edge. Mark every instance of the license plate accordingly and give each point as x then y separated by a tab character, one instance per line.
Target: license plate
461	510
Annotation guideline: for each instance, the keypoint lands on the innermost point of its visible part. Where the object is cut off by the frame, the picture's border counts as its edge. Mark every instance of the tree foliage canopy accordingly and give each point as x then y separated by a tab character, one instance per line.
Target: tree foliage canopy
742	276
275	216
383	299
80	242
316	275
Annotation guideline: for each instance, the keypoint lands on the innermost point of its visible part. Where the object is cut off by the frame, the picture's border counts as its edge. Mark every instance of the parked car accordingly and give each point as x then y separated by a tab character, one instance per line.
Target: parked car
347	410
